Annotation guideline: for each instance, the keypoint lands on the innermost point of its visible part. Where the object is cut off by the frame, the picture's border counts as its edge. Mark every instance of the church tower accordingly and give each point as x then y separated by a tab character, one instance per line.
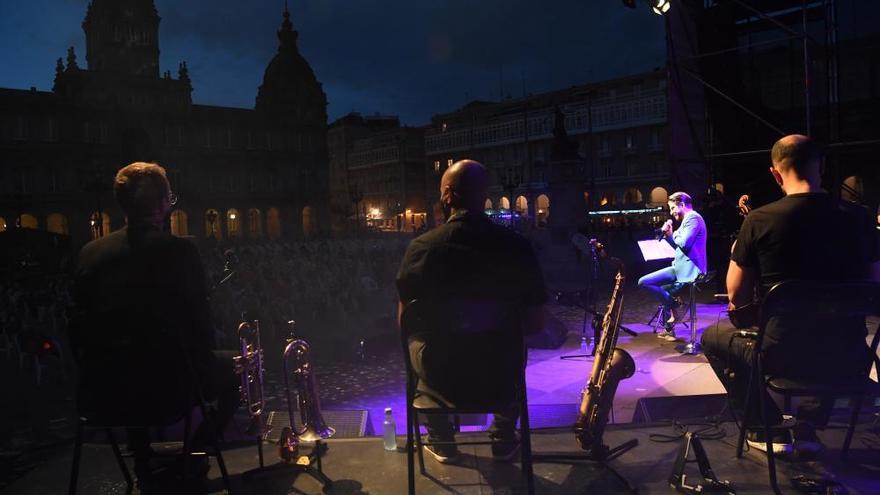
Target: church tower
290	90
122	36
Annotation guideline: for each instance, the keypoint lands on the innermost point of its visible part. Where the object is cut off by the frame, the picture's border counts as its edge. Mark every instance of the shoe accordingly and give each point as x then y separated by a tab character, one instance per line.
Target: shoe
444	454
805	439
672	317
781	441
667	334
505	450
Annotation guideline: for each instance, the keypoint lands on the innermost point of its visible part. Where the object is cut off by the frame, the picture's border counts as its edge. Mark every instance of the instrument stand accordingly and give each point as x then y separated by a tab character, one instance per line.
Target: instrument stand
601	455
678	479
309	464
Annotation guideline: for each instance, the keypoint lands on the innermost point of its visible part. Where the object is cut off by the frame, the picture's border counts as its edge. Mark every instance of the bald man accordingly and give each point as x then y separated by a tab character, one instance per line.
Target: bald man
806	235
469	258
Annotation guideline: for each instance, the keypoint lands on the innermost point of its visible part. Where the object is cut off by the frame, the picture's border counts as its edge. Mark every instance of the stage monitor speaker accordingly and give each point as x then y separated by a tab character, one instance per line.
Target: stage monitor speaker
551	337
347	423
685	407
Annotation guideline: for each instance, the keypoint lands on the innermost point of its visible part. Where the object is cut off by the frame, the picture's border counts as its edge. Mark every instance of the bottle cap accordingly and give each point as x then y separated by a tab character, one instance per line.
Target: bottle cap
387	410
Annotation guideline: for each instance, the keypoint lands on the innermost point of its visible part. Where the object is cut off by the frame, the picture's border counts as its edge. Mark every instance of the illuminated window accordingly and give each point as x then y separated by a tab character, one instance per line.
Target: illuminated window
449	163
436	165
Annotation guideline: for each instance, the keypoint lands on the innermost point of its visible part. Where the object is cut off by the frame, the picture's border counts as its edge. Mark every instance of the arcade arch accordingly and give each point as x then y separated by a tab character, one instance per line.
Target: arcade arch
213	227
273	223
57	224
233	223
179	223
255	223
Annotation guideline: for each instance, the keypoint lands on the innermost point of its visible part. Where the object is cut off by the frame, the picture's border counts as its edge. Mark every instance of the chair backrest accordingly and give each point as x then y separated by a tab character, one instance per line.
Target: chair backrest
825	317
133	378
470	350
798	298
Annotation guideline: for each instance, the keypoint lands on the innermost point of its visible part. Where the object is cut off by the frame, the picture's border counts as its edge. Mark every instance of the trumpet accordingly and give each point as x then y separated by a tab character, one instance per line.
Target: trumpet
249	364
314	428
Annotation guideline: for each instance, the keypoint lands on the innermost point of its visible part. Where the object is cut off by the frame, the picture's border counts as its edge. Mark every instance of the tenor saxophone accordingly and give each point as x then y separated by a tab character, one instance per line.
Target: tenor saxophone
610	366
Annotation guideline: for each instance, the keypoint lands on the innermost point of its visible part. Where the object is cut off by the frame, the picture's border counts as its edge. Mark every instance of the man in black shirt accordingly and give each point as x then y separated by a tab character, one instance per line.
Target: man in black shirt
807	236
469	258
140	327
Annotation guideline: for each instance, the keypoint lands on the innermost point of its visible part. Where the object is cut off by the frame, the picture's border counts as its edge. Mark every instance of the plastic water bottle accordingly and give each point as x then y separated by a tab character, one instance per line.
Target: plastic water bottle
389	431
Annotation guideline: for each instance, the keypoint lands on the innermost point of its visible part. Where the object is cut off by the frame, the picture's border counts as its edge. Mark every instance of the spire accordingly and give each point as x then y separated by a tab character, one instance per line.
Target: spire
183	72
59	73
287	35
71	59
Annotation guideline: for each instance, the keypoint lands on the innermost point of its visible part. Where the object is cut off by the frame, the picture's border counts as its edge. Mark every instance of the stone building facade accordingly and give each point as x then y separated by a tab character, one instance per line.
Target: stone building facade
616	134
377	178
238	173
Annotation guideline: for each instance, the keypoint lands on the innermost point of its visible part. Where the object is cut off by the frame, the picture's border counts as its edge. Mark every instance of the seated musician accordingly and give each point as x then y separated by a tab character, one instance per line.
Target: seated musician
140	301
689	242
809	236
469	258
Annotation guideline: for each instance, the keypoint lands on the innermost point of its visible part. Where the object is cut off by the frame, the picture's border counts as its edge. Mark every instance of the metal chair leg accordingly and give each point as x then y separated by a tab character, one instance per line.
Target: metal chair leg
854	417
118	454
768	437
410	454
526	448
748	402
77	452
419	447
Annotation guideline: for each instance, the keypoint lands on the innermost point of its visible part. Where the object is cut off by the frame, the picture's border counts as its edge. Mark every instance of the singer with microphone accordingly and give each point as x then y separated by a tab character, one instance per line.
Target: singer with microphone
689	242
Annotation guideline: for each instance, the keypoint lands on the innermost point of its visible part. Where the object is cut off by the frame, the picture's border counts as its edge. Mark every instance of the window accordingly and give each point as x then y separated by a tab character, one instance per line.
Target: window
19	134
449	163
436	165
52	130
629	141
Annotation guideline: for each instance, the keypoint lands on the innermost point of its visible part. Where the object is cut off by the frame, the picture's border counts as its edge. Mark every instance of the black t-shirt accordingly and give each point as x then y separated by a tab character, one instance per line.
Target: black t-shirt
809	236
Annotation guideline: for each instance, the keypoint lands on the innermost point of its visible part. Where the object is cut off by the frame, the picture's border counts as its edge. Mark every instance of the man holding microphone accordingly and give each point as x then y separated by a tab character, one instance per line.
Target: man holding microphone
689	242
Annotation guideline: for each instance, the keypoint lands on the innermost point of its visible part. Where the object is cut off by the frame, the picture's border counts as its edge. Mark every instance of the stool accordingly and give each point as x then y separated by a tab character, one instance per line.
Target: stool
692	346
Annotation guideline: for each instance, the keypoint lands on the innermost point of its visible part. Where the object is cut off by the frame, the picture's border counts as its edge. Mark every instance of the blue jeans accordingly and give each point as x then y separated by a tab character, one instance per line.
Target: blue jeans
664	286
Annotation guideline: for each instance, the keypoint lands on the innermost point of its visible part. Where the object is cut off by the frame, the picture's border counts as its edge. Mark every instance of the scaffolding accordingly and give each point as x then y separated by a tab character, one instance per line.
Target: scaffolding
745	73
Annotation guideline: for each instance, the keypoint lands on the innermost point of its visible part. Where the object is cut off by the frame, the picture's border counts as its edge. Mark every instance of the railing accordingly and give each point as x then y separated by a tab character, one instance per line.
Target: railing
607	114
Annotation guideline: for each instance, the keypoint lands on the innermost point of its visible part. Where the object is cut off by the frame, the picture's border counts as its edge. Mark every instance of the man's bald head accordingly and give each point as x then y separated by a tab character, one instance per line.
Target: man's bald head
465	185
796	153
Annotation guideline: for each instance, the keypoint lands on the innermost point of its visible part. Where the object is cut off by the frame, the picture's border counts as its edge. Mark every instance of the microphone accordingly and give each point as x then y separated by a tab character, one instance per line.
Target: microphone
659	233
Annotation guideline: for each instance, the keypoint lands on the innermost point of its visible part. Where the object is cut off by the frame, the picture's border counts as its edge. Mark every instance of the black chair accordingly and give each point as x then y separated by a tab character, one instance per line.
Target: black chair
803	301
115	392
467	330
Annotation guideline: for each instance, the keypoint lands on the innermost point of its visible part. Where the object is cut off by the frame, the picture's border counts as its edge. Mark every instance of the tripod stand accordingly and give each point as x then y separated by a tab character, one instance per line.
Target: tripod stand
601	454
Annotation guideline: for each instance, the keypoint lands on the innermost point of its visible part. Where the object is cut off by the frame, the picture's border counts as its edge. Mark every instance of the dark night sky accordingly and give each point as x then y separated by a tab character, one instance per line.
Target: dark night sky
398	57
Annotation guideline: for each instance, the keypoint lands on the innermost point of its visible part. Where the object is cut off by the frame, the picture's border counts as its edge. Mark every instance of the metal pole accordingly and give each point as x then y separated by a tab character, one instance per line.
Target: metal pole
806	68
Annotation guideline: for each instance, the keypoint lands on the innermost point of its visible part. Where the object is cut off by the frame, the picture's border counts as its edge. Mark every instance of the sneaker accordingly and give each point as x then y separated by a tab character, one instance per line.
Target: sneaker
667	334
673	317
781	442
805	439
505	451
444	454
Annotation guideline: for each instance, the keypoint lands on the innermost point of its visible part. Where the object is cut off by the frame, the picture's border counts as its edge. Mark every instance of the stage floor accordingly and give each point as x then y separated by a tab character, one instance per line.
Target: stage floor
361	466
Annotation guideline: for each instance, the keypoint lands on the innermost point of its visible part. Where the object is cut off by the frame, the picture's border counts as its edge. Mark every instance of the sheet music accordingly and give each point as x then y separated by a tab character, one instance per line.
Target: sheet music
653	249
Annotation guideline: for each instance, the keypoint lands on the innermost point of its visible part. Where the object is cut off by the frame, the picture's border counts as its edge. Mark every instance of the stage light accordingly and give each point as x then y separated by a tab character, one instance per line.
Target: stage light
660	7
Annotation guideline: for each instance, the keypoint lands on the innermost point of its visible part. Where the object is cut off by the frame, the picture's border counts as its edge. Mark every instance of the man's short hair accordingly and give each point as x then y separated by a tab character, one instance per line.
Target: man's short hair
681	198
140	188
795	152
